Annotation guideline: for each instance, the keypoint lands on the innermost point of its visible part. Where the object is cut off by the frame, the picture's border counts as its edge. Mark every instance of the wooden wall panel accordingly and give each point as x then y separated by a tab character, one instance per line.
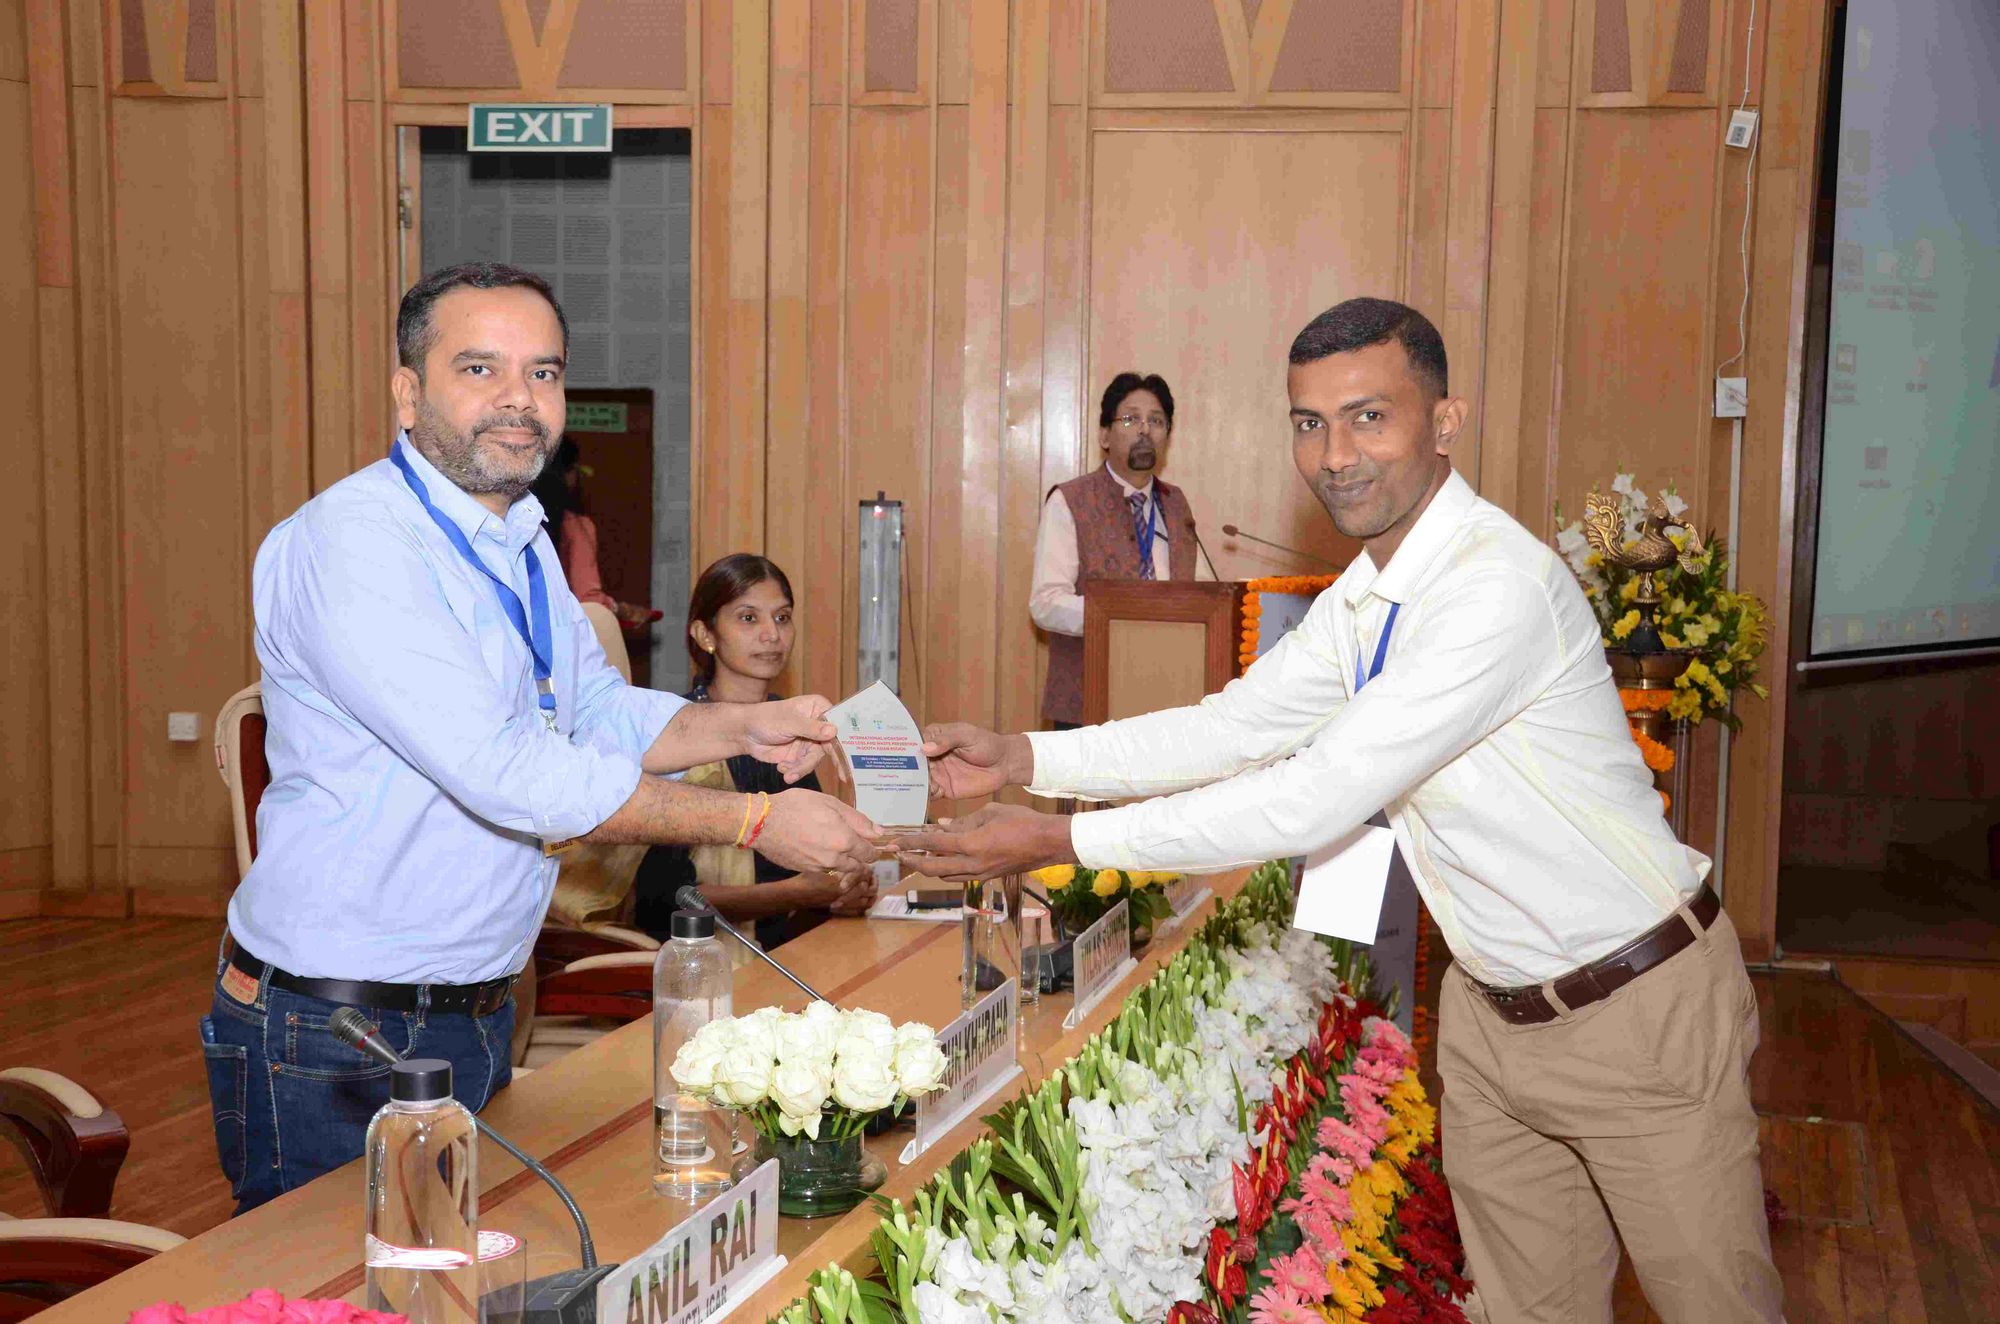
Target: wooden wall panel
1207	287
914	290
888	340
1636	389
24	670
186	598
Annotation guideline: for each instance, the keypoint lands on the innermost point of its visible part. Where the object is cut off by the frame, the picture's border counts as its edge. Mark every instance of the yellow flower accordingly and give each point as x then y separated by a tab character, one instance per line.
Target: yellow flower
1055	877
1670	640
1628	590
1625	624
1108	882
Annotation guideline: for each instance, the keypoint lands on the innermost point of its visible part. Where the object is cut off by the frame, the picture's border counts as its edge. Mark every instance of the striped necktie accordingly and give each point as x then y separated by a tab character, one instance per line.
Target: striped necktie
1140	522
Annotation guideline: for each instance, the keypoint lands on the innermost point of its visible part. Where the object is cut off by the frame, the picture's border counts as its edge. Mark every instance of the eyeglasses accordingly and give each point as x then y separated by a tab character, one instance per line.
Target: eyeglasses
1133	422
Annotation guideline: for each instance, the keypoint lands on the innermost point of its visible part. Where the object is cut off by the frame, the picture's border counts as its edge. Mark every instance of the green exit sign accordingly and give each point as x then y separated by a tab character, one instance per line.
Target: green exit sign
597	416
538	128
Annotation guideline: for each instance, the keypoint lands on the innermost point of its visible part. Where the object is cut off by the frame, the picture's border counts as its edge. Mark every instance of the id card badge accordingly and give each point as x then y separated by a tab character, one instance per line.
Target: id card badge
1342	886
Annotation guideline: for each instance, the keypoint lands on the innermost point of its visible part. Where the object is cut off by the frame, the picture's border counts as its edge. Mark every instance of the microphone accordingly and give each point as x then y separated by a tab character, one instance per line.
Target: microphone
1231	531
1199	547
569	1297
690	898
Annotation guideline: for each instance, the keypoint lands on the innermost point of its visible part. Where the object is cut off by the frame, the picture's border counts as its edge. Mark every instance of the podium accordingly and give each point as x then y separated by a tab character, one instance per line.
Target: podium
1152	644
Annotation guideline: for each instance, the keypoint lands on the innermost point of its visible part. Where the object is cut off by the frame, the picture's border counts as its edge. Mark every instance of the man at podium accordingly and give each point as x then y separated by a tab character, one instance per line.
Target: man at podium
1117	522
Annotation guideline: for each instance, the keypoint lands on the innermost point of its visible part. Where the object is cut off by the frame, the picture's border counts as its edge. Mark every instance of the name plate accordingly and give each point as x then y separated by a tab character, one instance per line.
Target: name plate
711	1260
1103	954
980	1057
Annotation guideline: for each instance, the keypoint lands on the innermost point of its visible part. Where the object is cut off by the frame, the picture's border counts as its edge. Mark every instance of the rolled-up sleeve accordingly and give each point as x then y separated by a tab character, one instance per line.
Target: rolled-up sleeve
368	626
612	714
1470	663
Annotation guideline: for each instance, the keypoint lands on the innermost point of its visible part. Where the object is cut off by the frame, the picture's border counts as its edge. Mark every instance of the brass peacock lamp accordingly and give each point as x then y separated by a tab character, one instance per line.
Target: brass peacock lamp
1651	553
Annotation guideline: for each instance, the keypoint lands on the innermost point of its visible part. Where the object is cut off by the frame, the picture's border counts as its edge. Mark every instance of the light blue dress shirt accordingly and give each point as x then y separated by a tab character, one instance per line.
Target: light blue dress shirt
413	779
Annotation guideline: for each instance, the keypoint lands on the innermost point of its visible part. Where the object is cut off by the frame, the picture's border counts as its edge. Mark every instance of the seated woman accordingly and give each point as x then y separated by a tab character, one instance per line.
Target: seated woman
739	636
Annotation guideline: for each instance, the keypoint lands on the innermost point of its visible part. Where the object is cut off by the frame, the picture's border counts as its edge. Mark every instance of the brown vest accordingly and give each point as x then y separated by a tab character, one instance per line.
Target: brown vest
1107	548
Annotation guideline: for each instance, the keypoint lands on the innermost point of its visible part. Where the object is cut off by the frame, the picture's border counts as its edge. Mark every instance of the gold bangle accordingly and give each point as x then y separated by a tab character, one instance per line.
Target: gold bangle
749	803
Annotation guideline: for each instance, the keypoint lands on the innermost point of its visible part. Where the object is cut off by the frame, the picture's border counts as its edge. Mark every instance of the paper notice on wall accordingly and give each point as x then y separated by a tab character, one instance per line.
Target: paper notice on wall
884	755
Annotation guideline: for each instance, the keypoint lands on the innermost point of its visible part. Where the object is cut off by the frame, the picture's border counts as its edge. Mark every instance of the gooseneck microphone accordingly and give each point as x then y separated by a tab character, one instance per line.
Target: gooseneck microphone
569	1297
690	898
1200	547
1231	531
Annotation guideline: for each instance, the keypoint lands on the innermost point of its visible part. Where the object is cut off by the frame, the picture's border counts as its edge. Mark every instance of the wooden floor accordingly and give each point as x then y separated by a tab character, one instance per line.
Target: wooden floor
1885	1164
112	1004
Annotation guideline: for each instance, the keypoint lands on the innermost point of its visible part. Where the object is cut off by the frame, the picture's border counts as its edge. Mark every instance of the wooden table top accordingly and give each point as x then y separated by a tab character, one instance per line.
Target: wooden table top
588	1118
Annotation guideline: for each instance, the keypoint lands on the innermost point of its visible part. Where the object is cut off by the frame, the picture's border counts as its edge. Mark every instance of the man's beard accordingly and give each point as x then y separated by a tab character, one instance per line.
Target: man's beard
1141	459
472	467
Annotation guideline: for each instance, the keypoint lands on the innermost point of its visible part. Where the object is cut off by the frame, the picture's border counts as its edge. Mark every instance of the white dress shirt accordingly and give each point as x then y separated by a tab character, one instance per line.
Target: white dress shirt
1055	602
1493	737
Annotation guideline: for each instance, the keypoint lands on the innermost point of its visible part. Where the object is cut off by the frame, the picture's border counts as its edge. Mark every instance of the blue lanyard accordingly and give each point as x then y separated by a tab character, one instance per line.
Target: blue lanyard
1361	677
1152	527
538	639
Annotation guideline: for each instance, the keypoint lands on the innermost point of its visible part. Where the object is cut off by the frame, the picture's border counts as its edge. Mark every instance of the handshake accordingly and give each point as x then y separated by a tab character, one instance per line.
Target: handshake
811	832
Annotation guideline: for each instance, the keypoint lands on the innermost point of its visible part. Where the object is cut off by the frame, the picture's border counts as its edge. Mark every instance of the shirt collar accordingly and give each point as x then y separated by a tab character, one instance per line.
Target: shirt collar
1397	581
522	522
1117	478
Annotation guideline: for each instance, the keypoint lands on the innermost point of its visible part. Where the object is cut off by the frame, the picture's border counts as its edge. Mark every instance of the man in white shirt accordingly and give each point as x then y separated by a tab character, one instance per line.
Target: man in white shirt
1597	1023
1120	521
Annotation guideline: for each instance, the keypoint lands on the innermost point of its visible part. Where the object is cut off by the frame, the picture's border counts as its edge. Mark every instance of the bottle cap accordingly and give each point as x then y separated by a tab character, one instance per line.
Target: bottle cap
420	1080
692	924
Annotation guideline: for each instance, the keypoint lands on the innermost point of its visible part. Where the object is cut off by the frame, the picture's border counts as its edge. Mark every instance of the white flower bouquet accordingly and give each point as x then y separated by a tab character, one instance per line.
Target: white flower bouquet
821	1072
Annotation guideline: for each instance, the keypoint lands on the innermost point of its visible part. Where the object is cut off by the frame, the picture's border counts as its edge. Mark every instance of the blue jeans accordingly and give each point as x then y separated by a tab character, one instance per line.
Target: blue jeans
291	1102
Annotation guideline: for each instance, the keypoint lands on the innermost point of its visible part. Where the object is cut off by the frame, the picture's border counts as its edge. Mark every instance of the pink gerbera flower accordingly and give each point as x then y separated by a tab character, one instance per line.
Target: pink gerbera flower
1302	1274
1275	1305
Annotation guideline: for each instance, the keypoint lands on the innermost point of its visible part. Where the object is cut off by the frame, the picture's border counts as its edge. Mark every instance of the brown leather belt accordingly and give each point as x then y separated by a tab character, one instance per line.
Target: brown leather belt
1528	1005
475	1000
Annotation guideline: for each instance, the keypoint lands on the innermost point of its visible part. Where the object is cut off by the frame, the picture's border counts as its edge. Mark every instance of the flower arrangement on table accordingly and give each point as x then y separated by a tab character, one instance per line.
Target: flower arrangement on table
265	1306
1191	1164
1698	614
810	1082
1080	896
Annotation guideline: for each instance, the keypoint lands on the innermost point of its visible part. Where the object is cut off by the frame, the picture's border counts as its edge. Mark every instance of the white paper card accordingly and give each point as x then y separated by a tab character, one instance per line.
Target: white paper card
692	1272
883	750
1341	889
981	1055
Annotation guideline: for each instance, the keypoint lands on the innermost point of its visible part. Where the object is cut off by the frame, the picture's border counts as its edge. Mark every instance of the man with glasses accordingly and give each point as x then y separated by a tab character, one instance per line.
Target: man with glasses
1118	522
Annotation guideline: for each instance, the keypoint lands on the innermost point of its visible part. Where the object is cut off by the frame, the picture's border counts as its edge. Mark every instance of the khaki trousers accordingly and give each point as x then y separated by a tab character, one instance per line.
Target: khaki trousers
1628	1119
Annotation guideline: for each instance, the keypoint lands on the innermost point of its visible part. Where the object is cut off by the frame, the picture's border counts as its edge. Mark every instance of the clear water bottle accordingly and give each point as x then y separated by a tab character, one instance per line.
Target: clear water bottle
692	1139
421	1251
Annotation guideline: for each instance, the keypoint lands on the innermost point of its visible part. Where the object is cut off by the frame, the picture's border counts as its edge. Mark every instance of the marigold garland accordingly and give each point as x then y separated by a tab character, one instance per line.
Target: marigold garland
1253	606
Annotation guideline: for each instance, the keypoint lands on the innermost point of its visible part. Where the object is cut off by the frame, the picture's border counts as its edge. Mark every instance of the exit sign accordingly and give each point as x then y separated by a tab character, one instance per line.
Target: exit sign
538	128
597	416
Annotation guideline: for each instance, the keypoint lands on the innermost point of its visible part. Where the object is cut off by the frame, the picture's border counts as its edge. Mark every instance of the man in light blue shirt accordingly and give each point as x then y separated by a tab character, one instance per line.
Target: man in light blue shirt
439	713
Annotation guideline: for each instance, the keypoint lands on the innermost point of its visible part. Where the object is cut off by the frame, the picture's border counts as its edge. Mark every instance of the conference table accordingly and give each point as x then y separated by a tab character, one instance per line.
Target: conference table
588	1118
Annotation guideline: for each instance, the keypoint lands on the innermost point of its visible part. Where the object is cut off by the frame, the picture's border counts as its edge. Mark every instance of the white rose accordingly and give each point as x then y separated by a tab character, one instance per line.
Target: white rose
824	1013
870	1028
695	1065
806	1040
756	1033
742	1078
800	1090
920	1067
864	1078
914	1032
